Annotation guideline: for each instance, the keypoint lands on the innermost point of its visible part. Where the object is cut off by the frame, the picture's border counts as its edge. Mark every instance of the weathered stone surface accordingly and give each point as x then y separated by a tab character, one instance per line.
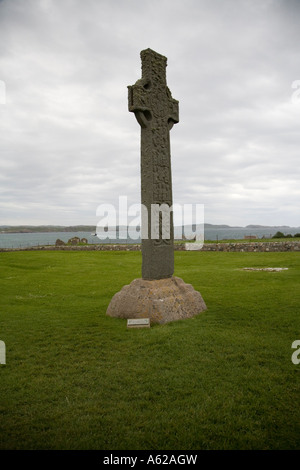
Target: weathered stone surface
230	247
59	242
162	300
74	240
253	246
156	111
266	269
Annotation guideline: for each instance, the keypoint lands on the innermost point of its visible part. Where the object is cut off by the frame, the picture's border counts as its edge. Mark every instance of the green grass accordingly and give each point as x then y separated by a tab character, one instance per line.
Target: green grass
77	379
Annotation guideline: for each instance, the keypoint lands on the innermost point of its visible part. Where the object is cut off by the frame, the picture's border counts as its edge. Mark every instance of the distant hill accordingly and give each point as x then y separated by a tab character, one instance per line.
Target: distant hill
46	228
220	226
92	228
269	226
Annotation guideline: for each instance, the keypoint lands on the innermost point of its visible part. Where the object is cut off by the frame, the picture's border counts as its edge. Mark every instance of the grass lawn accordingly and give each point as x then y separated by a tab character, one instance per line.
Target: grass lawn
77	379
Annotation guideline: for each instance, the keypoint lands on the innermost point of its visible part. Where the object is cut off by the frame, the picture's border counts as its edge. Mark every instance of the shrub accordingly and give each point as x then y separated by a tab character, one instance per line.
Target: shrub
278	235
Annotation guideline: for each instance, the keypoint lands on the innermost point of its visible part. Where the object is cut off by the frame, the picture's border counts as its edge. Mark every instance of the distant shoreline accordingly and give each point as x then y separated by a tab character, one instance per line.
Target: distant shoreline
46	229
93	228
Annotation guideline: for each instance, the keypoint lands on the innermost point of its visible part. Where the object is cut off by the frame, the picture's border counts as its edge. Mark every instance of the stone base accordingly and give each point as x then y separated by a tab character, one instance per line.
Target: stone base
162	300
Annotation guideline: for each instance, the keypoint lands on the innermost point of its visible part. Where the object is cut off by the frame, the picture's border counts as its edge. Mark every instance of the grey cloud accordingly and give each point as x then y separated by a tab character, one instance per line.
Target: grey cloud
68	142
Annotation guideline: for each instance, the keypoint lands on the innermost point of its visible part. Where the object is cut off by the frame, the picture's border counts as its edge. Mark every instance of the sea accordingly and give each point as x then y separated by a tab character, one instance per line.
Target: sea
26	240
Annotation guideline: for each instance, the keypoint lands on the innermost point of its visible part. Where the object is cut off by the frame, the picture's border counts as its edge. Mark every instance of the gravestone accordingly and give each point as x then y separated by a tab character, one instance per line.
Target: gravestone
158	295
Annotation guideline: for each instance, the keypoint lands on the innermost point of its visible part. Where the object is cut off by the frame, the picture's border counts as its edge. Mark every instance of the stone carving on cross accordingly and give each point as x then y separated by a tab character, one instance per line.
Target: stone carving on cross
159	296
150	98
156	111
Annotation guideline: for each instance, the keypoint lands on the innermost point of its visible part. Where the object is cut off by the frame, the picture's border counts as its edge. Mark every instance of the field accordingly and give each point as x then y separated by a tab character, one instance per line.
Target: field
77	379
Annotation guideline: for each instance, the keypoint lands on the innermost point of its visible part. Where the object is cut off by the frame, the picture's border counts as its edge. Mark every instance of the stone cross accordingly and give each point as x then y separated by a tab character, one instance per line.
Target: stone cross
159	297
156	111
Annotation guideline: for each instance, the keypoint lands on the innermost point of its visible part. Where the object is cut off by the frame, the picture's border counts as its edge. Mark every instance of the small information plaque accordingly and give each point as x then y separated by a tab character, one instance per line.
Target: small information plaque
138	323
2	353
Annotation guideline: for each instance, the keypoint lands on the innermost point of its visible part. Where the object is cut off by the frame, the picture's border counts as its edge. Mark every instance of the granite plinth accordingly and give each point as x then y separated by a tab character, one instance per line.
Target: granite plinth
162	300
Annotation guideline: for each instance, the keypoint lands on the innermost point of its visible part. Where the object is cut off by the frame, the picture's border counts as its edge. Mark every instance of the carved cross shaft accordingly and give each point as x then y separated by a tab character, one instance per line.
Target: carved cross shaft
156	111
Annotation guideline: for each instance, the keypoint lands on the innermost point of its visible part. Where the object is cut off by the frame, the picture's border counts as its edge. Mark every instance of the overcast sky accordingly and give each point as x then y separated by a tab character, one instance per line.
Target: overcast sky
69	144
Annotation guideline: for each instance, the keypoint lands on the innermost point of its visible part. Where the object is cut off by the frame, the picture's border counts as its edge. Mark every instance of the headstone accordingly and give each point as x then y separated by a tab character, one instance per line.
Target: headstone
158	295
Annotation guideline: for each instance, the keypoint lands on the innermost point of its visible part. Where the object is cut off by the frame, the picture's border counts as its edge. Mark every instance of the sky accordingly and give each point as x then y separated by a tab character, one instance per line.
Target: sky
69	144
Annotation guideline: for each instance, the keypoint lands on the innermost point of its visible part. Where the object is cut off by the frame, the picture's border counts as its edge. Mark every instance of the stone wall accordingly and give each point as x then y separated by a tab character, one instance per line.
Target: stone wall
238	247
253	246
95	247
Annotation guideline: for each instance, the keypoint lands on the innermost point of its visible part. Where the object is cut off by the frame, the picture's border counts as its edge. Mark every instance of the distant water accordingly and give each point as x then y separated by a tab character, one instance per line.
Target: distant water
239	233
23	240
